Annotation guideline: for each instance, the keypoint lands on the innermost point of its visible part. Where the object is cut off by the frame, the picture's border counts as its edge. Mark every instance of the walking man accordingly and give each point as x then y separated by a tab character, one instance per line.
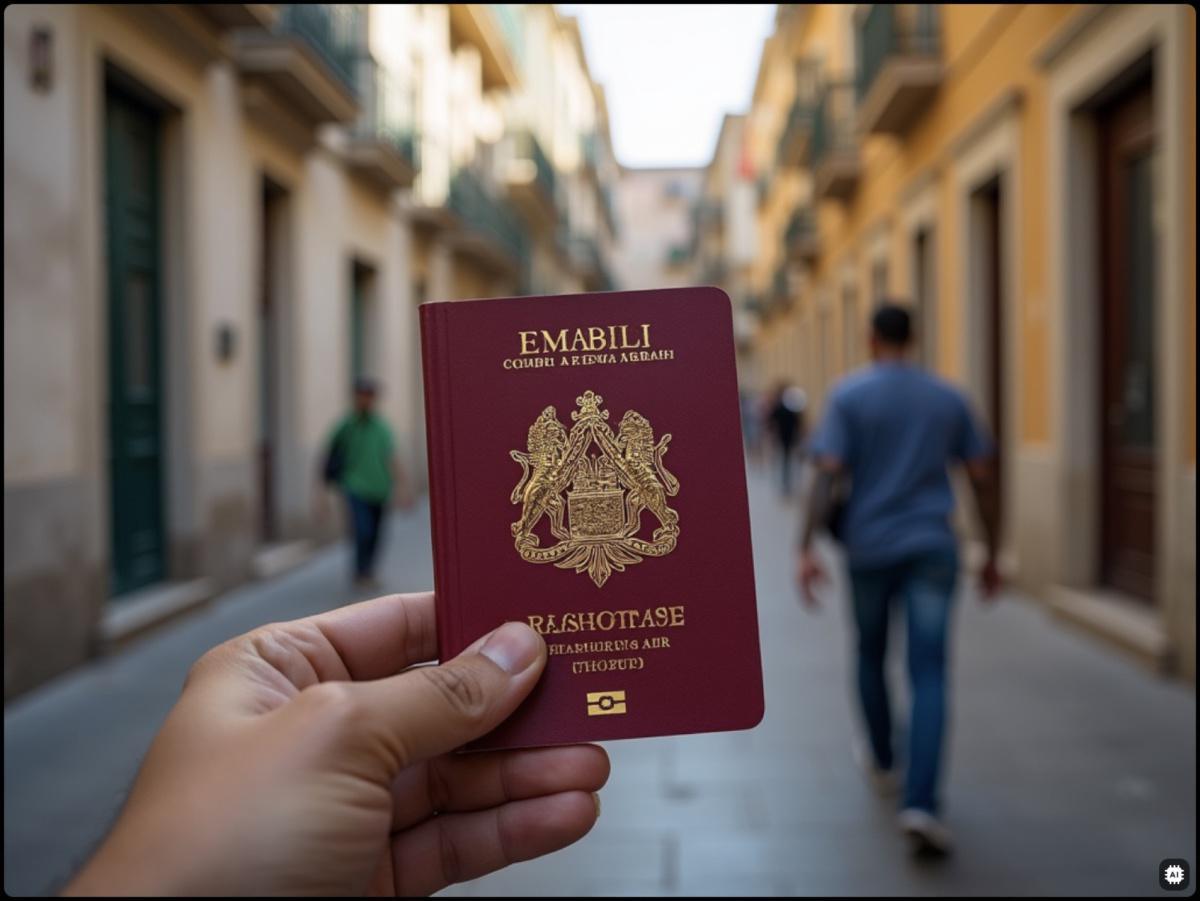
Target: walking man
787	425
361	462
890	431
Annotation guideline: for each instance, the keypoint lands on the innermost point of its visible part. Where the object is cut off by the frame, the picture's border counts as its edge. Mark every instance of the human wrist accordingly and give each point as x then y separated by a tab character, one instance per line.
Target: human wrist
145	856
113	873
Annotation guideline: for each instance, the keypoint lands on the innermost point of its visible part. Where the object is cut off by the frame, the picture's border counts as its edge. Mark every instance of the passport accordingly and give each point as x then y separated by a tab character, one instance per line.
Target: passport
587	477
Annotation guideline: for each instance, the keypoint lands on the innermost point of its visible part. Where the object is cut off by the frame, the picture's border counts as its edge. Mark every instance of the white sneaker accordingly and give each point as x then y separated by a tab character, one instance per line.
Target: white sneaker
884	782
926	832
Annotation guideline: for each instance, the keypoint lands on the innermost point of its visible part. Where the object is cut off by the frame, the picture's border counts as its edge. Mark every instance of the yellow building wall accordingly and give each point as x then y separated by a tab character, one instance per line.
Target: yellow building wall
988	53
999	65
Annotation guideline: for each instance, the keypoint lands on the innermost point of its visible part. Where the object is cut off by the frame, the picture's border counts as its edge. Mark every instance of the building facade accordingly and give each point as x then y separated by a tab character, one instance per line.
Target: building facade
1024	177
216	217
725	235
654	207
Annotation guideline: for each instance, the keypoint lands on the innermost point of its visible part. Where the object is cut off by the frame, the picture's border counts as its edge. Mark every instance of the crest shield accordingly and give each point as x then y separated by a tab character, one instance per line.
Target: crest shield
594	487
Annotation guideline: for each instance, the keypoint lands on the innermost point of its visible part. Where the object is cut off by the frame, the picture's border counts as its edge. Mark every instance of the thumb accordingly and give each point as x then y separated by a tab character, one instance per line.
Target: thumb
431	710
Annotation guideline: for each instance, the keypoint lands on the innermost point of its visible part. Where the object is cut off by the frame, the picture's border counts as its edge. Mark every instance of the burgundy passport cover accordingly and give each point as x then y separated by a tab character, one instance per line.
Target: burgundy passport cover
586	477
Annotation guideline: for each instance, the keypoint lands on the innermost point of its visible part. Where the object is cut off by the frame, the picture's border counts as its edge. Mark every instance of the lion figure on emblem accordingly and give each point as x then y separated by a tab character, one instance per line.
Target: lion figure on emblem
542	475
642	464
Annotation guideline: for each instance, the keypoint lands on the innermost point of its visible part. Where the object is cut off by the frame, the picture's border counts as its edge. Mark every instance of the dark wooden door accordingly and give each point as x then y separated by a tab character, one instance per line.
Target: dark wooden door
267	365
990	206
924	263
1128	454
134	344
358	323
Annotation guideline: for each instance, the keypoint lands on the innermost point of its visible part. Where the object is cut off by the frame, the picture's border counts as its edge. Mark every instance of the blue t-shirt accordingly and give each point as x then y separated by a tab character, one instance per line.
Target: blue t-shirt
894	428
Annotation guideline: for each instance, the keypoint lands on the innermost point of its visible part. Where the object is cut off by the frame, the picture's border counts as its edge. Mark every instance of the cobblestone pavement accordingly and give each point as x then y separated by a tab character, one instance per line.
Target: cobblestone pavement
1071	770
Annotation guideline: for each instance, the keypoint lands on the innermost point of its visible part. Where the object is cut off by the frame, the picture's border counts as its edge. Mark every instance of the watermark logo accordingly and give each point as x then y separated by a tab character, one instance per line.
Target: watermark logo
1174	874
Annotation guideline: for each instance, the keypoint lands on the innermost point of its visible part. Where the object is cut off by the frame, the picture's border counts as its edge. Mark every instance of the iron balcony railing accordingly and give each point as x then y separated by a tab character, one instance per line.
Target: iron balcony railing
678	254
833	123
589	149
714	272
585	252
606	206
801	227
705	213
800	117
756	306
800	114
528	147
906	29
333	30
780	294
487	215
389	106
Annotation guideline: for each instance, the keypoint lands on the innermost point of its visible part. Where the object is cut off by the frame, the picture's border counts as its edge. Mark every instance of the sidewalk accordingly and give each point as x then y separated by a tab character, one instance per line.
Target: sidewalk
1070	771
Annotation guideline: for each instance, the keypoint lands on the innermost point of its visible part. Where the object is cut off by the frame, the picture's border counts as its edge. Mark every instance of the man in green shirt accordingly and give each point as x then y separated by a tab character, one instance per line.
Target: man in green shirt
360	462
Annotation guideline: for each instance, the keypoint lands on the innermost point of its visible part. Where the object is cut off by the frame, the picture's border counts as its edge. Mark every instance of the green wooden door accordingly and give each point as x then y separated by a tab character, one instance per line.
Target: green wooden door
134	364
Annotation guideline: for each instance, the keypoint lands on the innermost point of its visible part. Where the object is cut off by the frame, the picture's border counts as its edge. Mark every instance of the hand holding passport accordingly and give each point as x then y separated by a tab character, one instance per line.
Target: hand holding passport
587	485
587	478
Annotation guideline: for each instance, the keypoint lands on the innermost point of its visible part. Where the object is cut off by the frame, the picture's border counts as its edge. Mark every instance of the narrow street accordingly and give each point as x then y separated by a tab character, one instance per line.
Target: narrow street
1071	770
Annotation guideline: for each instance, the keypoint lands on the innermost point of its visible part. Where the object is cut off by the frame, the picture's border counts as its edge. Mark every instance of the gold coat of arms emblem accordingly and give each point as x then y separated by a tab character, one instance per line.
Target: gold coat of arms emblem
594	487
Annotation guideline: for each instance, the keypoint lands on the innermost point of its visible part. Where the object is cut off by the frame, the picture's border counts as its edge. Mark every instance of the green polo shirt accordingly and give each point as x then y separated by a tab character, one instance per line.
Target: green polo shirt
367	447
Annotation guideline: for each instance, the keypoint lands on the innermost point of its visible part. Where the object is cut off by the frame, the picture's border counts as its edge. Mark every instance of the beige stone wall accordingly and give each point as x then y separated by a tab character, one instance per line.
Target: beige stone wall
216	151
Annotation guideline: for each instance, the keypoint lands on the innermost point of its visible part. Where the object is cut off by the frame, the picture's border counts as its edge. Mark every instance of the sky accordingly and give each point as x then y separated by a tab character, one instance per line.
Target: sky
672	72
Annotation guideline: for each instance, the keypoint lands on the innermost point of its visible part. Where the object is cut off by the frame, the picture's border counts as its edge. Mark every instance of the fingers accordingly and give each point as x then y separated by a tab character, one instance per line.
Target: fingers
262	669
456	847
457	783
381	637
430	710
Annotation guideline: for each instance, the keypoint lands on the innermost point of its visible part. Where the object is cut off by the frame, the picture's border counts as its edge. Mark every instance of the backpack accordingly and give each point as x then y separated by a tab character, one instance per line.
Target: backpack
335	458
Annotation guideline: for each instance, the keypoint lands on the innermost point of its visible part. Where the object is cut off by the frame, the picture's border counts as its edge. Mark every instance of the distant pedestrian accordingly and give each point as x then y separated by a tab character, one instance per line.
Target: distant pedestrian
360	460
786	420
891	430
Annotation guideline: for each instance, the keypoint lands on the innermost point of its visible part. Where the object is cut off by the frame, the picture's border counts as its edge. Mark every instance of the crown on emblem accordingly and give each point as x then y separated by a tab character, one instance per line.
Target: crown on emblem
589	407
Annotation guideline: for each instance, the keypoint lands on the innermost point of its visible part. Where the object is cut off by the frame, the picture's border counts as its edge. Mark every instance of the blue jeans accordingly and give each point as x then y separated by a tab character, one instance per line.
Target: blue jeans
925	584
366	519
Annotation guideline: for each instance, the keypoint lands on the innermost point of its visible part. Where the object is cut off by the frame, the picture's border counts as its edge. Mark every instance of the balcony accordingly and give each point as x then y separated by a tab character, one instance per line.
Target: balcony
240	15
488	228
762	188
707	217
759	307
833	154
899	67
308	59
589	151
494	31
607	209
589	262
195	32
714	272
678	255
530	177
781	290
383	143
793	142
801	238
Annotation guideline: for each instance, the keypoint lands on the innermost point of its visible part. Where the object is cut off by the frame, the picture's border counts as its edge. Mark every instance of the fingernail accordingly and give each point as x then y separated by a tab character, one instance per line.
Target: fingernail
596	798
512	647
